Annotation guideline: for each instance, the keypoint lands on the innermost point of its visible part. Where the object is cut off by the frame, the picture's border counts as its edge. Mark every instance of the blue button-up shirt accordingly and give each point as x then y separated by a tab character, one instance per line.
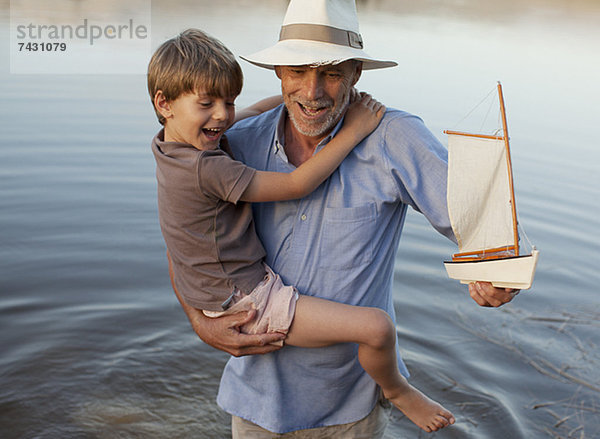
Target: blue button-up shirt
338	243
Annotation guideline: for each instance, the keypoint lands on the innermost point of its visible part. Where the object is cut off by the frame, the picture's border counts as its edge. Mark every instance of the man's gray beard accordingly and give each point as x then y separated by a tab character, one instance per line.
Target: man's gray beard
323	128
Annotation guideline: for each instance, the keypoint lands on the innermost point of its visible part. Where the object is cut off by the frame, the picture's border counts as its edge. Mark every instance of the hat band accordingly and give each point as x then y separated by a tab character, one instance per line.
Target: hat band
321	32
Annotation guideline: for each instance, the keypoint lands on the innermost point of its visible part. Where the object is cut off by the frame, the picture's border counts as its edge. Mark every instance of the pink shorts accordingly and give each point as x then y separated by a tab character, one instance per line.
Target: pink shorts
274	302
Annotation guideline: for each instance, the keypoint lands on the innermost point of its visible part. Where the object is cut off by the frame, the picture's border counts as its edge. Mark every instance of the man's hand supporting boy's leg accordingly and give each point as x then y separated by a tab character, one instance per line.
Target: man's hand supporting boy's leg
223	332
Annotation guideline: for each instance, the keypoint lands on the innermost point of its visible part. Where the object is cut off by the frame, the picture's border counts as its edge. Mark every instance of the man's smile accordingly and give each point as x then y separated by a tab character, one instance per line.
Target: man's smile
313	110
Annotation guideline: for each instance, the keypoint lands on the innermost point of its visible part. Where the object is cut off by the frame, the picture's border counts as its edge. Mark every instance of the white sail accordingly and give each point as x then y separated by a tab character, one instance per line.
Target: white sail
479	196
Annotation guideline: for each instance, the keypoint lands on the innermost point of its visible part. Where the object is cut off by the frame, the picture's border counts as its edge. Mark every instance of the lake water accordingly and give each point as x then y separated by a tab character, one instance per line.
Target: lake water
93	343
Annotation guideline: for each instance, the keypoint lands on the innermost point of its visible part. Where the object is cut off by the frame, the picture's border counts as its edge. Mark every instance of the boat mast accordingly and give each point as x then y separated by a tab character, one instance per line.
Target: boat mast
510	173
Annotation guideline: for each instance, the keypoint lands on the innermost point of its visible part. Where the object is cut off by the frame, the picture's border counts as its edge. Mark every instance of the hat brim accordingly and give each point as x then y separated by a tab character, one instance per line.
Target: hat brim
305	52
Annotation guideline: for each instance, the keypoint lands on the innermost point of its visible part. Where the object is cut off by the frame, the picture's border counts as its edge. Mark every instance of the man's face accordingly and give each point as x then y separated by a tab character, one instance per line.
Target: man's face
317	97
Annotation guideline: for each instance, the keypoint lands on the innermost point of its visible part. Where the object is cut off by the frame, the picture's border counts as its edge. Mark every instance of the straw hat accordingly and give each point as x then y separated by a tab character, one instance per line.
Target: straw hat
318	32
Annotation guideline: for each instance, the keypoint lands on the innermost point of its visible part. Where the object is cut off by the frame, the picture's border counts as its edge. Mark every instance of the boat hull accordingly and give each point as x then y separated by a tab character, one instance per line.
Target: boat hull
514	272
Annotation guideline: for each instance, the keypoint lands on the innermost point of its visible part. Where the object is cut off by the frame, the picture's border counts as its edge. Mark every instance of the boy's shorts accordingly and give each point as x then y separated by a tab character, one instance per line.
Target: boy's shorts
274	302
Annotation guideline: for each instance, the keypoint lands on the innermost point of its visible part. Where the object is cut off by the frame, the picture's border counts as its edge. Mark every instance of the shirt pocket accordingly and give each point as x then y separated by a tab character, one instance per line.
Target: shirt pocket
347	236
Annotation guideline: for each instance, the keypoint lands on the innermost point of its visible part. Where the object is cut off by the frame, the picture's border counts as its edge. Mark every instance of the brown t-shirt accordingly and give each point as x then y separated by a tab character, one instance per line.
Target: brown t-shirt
209	233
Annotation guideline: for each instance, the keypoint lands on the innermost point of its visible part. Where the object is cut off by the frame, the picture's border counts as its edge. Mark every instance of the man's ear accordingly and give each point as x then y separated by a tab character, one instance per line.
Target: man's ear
357	72
278	71
162	105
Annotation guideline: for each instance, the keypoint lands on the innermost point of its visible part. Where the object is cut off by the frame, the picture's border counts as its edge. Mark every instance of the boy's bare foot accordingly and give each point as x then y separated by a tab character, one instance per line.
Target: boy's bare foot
423	411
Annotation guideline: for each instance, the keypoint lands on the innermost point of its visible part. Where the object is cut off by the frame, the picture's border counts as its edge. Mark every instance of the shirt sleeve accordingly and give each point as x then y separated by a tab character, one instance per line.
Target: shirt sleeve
418	164
221	177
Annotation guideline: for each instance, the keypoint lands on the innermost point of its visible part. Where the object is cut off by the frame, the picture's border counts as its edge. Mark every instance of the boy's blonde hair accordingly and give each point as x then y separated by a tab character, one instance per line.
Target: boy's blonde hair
190	62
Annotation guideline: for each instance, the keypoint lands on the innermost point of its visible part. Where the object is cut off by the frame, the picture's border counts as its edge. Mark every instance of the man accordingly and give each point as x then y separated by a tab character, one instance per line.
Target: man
338	243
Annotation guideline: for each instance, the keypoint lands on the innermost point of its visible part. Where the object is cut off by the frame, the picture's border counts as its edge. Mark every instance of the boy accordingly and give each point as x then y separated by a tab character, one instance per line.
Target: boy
206	219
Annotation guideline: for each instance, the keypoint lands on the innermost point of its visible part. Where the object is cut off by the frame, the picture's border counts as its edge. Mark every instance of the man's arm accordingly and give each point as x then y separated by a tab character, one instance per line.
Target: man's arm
223	332
421	150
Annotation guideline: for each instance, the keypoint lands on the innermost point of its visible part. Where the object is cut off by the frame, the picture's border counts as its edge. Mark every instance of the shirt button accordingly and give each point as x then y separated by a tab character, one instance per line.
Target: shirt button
303	217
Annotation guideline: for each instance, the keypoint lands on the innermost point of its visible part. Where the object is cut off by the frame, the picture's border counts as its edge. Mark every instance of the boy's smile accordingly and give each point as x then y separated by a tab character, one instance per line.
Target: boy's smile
198	119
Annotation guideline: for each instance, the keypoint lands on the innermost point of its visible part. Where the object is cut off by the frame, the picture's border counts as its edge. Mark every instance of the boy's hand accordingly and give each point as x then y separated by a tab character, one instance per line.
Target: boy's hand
355	95
363	114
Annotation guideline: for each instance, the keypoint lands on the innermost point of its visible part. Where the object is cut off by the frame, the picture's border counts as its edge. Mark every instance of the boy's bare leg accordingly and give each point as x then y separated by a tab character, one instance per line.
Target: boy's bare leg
318	323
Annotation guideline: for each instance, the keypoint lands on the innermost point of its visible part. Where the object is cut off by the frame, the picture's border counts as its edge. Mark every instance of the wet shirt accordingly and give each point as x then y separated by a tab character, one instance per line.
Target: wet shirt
209	233
338	243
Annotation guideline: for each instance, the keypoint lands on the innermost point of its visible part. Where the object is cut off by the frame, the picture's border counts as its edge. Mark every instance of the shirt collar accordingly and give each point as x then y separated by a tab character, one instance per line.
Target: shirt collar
279	142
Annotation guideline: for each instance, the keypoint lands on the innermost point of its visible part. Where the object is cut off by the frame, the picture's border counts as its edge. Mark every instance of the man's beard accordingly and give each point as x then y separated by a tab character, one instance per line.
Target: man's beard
318	129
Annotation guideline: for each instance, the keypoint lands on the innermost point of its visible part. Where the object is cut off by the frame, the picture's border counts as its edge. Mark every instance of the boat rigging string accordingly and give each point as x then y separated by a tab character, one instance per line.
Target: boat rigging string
493	90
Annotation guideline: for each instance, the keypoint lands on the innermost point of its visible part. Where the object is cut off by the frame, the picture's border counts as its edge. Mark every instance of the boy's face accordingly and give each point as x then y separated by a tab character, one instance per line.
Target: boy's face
198	119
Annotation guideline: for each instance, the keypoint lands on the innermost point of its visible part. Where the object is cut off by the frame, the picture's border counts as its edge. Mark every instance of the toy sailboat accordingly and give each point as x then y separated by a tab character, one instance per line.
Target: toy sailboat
483	212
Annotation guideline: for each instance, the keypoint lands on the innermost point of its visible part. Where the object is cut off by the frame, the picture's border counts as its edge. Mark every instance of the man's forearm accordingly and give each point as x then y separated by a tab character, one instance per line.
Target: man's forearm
223	332
194	315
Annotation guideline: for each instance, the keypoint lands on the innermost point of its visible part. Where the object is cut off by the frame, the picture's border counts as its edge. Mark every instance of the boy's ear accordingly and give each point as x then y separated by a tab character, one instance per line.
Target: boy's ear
162	105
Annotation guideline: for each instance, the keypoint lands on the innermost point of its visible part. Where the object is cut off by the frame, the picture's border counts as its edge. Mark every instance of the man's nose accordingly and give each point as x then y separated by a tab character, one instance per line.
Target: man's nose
313	85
